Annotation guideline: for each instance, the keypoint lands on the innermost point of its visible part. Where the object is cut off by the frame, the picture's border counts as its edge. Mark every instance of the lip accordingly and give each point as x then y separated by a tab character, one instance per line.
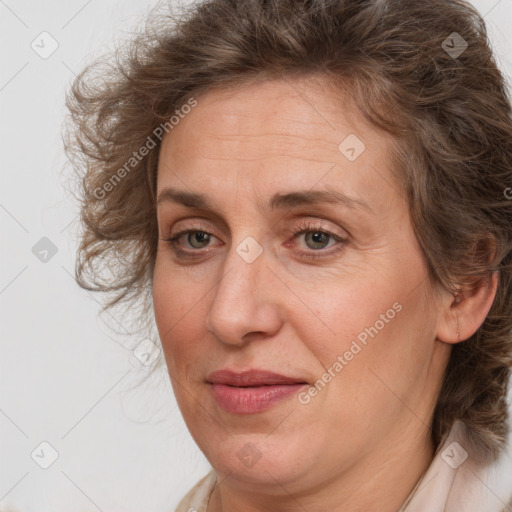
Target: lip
251	378
251	391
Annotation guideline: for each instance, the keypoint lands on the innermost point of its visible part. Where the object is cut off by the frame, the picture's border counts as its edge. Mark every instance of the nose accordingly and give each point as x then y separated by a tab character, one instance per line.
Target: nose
245	305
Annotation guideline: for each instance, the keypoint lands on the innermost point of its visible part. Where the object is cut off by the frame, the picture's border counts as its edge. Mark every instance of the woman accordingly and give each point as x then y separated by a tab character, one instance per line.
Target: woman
311	196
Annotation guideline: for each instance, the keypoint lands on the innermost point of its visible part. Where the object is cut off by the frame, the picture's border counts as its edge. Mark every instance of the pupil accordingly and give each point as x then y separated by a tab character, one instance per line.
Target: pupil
318	238
199	237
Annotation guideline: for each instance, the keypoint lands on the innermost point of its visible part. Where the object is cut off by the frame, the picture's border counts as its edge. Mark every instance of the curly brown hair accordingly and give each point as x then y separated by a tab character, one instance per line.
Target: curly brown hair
422	71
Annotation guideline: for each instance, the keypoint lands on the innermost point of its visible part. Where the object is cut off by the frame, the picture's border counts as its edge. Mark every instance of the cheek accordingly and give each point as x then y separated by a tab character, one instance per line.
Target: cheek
342	312
374	322
178	311
174	295
164	300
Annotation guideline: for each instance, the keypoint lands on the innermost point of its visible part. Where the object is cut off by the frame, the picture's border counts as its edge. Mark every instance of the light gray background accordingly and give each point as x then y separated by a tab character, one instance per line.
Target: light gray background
65	378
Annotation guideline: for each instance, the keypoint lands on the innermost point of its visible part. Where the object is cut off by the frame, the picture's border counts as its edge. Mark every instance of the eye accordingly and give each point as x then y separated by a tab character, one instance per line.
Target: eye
189	242
317	239
196	239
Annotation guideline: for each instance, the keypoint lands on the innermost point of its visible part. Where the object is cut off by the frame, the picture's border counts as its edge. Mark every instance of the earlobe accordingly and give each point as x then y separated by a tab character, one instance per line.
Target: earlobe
465	312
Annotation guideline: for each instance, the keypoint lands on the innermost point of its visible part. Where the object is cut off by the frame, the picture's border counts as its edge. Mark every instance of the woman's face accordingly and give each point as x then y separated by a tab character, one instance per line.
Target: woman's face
300	259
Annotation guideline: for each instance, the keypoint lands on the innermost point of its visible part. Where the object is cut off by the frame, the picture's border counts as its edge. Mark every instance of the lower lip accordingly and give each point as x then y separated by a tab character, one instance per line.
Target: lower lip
251	400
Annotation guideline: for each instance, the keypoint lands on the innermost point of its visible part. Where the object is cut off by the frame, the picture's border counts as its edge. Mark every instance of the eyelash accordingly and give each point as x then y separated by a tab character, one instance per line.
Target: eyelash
304	227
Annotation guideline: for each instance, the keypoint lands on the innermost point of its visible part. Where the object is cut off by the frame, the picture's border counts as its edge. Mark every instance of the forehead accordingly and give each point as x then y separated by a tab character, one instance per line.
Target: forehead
284	112
274	133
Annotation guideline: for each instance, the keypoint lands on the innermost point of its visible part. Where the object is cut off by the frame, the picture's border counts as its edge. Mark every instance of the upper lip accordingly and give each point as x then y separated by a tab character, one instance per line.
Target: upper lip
251	378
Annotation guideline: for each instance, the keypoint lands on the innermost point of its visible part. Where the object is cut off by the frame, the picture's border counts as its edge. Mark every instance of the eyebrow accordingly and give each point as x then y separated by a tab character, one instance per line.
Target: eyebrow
277	202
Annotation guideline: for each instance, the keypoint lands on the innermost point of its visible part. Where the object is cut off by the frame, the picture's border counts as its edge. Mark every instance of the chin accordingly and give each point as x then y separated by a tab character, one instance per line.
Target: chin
262	460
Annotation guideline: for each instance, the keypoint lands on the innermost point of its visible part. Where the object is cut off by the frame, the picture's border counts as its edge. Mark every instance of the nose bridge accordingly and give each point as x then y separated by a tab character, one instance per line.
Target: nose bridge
242	302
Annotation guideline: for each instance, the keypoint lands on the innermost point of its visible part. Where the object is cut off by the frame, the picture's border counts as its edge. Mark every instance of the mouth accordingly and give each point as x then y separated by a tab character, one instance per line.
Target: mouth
251	391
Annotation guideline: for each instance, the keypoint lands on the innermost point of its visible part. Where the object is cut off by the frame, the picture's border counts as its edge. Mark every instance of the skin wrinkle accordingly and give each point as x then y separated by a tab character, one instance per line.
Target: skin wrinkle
277	152
295	316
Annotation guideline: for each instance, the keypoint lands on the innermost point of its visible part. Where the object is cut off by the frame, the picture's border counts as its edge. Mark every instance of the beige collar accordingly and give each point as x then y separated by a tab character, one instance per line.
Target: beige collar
454	481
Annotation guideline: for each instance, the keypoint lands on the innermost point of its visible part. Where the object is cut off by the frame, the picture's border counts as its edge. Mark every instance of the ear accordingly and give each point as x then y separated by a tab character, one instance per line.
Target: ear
465	312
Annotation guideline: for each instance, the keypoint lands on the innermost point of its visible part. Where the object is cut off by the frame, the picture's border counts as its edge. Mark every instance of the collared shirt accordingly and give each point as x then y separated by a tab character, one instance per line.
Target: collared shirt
453	482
